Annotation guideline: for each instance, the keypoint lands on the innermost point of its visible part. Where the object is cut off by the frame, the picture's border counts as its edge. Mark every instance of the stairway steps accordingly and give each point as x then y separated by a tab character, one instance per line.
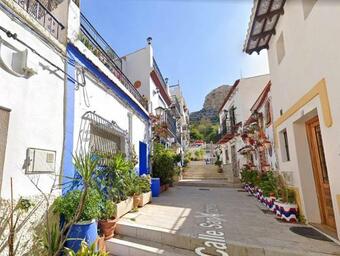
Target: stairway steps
129	246
159	236
208	184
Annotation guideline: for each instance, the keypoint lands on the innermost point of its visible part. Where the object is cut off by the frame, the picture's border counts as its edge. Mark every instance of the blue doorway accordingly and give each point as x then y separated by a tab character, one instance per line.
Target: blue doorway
143	158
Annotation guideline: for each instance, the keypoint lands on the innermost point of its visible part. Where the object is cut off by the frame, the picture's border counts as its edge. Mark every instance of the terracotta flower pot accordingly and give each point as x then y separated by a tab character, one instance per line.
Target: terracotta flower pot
136	200
107	227
166	187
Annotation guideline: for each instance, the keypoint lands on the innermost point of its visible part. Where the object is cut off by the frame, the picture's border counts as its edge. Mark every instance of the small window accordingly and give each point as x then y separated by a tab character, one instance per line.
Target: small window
280	48
268	114
104	141
307	6
284	146
227	155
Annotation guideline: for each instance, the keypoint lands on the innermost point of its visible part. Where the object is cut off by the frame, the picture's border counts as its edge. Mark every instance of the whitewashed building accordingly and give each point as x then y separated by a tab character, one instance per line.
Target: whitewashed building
178	103
258	136
142	70
304	59
32	86
233	114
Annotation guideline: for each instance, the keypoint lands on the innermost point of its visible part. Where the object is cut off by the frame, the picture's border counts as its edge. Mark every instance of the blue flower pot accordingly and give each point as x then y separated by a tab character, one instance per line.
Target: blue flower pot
82	231
155	187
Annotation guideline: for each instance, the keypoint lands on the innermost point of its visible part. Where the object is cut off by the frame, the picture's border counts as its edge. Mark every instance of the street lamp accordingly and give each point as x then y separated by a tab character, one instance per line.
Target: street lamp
159	111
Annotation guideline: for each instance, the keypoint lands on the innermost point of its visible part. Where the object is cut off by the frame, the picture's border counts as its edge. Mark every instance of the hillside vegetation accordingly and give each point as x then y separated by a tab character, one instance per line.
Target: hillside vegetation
204	130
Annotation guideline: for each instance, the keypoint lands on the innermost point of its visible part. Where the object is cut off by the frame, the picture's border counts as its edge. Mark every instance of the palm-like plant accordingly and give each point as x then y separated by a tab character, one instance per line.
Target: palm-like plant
86	250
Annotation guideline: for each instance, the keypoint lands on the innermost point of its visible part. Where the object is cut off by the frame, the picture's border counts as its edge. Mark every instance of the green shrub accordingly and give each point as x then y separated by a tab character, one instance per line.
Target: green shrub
132	183
68	204
163	165
218	163
113	176
107	209
268	183
145	184
250	176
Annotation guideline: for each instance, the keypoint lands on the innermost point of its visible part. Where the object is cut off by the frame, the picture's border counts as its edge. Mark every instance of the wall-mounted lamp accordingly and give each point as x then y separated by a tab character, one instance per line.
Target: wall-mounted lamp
159	111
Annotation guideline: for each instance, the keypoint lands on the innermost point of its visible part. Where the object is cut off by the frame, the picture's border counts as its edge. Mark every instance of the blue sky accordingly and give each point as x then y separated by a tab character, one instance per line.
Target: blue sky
196	42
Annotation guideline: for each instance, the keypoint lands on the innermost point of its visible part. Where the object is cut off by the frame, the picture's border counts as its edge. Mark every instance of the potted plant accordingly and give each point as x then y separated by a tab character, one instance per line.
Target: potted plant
268	185
288	209
114	181
163	165
145	185
107	222
219	164
134	188
86	226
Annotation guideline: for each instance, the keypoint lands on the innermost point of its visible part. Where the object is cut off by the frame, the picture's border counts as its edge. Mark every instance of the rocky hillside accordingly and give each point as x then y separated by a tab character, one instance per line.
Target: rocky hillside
211	106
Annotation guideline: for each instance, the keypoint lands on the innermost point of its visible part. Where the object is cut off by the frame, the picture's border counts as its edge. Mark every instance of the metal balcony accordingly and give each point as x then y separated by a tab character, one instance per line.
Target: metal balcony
169	122
99	47
42	14
159	74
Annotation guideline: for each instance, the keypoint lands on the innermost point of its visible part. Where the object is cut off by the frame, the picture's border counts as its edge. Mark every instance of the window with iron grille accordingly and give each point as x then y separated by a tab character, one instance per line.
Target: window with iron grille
103	141
100	135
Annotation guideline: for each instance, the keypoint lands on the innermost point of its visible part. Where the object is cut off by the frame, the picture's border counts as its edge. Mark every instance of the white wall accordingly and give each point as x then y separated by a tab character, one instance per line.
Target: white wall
243	98
36	118
249	90
309	57
138	66
108	106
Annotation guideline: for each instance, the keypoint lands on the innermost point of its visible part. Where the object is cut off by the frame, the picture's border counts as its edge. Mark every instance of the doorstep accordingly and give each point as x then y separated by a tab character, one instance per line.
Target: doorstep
330	233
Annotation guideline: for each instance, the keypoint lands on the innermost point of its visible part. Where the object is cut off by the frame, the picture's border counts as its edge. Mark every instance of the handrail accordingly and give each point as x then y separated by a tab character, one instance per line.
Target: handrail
158	71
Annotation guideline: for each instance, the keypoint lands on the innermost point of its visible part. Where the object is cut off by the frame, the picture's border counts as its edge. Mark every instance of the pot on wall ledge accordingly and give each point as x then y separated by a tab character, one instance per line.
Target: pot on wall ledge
136	200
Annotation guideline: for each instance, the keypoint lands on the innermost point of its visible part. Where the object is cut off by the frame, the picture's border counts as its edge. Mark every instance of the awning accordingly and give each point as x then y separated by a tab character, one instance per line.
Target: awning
264	17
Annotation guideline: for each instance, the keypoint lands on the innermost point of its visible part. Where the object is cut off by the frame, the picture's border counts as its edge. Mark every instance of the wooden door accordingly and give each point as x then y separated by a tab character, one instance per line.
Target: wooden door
320	172
234	161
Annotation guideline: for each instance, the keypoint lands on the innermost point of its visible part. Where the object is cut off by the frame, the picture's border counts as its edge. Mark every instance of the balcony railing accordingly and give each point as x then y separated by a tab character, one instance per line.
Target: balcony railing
176	106
159	74
170	122
42	15
227	130
99	47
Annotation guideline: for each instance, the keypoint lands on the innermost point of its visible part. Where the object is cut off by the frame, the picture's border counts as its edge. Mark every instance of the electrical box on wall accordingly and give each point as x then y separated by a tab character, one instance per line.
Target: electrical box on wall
40	161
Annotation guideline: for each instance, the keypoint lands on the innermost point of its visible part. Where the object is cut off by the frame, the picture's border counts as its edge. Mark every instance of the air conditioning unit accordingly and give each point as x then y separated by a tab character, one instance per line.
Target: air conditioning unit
16	61
39	161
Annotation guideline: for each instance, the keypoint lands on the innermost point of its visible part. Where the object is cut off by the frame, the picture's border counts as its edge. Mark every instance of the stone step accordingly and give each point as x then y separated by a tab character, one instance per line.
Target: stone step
204	178
160	236
208	183
136	239
129	246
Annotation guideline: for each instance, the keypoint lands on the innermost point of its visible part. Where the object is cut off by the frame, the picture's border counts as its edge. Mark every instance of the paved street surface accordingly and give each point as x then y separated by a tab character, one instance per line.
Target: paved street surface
181	217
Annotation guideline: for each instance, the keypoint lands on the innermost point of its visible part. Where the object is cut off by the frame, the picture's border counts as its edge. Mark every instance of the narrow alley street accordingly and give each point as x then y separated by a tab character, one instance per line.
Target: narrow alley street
189	216
173	128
